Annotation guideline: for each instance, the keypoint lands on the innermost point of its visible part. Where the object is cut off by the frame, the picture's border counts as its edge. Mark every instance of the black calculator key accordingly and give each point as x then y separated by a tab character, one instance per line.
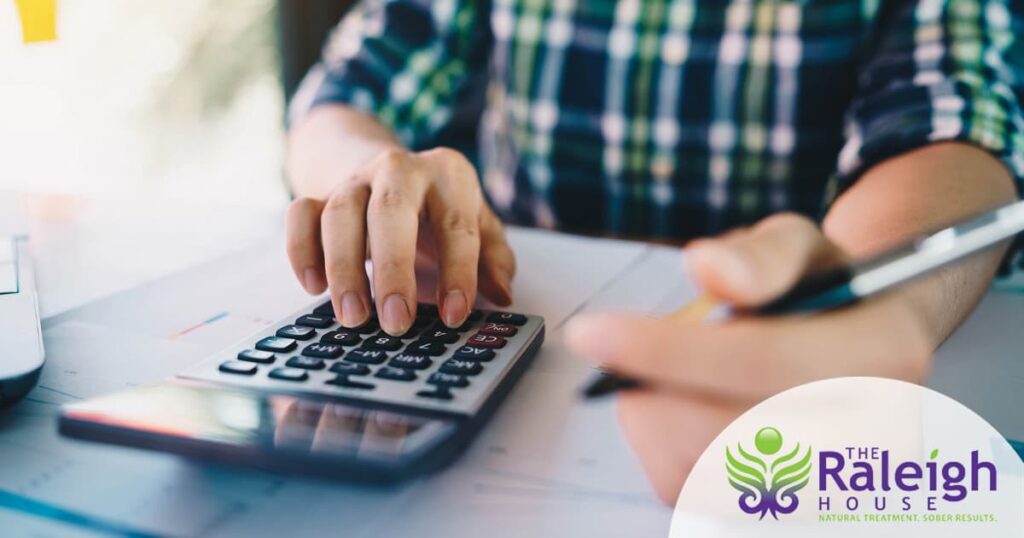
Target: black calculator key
253	355
343	381
506	317
326	309
440	333
426	310
440	393
369	327
323	351
498	329
396	374
276	344
407	335
425	347
297	332
237	367
486	340
413	362
447	380
383	341
461	367
350	368
289	374
344	337
474	353
475	316
306	363
315	321
421	322
366	356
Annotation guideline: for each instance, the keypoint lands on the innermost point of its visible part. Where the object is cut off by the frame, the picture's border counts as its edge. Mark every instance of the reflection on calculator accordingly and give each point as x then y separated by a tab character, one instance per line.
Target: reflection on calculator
310	396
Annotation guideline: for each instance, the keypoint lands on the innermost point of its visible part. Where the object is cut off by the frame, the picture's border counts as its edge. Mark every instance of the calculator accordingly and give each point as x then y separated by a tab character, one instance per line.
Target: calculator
310	396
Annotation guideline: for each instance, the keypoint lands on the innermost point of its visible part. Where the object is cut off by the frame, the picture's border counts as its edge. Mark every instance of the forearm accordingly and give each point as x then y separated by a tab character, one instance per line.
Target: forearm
329	144
921	191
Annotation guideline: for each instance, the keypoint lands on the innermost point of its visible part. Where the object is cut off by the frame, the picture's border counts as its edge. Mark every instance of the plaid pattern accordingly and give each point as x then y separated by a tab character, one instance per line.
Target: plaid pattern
678	118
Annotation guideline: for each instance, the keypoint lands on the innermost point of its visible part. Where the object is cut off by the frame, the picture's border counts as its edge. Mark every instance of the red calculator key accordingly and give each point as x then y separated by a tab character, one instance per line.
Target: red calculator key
498	329
486	340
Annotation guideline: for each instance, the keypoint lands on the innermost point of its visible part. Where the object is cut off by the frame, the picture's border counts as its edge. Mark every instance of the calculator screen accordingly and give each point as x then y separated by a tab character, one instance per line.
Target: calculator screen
266	422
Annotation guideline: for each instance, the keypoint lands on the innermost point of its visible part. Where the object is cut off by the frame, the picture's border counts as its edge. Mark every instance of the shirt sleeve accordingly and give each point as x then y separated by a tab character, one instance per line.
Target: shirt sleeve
409	63
939	70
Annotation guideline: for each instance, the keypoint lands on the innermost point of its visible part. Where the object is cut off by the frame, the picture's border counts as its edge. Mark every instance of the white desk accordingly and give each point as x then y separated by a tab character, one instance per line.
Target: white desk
547	465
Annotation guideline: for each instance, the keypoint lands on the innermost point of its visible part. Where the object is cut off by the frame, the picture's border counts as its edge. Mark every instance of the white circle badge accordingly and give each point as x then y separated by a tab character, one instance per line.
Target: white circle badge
855	457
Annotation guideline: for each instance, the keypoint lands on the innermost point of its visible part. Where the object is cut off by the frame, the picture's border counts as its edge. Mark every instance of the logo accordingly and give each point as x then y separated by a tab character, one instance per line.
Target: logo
767	483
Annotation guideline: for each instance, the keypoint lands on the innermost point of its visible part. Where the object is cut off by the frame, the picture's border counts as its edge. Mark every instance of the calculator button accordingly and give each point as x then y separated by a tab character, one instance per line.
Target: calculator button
276	344
323	351
486	340
408	360
475	316
236	367
383	341
474	353
369	327
447	380
422	321
440	333
315	321
507	317
297	332
289	374
306	363
349	368
423	347
366	356
343	381
440	393
426	310
396	374
326	309
461	367
344	337
498	329
252	355
407	335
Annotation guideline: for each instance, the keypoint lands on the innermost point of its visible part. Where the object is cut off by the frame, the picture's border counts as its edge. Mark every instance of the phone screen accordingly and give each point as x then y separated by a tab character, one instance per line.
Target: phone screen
174	418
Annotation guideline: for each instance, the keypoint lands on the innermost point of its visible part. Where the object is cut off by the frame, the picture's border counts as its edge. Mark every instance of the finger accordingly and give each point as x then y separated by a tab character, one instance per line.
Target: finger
392	224
302	242
343	231
453	209
752	268
754	358
497	264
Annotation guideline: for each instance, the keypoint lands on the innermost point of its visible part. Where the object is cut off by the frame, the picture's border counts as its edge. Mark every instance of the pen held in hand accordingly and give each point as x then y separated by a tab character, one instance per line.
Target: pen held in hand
845	285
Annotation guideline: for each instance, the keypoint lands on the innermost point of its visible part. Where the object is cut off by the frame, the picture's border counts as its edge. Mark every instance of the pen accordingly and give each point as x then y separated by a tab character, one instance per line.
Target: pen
847	284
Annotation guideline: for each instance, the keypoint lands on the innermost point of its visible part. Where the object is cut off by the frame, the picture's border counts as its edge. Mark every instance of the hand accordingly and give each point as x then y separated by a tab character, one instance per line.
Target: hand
698	378
396	204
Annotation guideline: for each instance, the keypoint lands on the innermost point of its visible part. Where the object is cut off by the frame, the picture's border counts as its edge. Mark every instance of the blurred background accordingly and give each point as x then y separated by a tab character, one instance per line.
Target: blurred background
160	100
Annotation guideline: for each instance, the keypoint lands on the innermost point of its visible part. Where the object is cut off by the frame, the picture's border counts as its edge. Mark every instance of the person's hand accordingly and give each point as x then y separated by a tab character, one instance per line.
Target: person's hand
397	203
698	378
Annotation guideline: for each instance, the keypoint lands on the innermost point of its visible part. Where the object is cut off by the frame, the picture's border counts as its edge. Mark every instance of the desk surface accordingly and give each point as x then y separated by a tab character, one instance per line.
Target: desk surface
527	474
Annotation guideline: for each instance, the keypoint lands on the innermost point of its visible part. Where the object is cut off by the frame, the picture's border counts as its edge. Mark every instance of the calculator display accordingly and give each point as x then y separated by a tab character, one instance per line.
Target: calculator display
268	423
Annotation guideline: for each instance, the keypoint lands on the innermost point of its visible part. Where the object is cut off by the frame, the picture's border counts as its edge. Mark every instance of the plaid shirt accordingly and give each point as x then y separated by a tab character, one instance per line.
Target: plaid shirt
678	118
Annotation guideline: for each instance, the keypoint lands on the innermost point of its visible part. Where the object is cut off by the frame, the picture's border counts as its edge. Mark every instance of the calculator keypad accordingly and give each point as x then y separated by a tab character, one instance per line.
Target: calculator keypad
431	366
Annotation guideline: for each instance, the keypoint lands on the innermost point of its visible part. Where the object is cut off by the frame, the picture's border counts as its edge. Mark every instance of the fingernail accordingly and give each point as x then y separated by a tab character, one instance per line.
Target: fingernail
395	318
729	263
353	311
313	281
455	308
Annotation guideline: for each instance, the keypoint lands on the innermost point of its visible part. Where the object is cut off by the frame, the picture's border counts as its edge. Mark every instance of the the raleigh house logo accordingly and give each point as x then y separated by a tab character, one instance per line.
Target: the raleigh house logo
768	483
857	484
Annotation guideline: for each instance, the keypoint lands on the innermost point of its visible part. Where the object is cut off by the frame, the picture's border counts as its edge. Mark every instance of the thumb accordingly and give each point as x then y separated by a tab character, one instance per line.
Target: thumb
751	267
